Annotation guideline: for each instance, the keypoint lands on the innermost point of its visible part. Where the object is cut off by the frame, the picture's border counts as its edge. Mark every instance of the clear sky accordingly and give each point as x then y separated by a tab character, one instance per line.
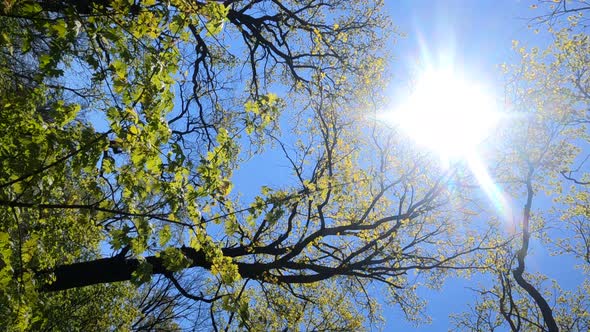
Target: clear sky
475	34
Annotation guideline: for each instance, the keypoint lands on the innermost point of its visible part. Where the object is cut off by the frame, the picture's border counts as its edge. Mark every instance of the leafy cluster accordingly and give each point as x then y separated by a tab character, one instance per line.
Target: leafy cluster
124	126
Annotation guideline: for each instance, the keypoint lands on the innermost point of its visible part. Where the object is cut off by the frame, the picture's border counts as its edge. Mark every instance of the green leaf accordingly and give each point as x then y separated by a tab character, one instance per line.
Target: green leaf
108	164
60	28
134	130
174	259
44	60
142	274
165	235
119	68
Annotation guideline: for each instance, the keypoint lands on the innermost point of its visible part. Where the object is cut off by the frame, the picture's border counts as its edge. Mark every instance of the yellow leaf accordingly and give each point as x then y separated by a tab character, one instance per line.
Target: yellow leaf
134	130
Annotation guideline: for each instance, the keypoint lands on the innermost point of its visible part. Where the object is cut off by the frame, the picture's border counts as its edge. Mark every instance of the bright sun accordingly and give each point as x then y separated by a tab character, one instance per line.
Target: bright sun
447	114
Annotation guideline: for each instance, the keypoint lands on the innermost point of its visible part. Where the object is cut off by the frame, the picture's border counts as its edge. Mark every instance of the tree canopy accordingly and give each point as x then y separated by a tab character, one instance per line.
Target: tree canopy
123	125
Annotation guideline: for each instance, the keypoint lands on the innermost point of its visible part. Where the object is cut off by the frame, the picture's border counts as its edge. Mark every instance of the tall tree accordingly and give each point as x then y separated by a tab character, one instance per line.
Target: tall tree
121	127
548	149
123	123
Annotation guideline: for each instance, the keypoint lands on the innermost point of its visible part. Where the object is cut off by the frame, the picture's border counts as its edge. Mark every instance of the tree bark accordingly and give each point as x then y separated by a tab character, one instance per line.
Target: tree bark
112	269
522	253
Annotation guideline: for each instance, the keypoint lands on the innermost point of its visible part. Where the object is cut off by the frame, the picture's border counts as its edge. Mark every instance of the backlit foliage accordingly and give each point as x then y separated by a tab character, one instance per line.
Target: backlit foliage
545	159
124	126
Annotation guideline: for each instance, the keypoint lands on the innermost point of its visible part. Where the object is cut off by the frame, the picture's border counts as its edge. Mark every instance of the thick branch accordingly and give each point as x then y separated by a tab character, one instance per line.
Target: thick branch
114	269
522	253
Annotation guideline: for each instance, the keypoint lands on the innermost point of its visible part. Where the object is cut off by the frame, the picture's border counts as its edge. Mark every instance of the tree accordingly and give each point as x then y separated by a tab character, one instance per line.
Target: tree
548	149
122	126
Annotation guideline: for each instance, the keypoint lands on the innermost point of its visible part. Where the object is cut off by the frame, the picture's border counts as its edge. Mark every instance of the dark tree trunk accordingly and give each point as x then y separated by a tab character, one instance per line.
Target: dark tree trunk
112	269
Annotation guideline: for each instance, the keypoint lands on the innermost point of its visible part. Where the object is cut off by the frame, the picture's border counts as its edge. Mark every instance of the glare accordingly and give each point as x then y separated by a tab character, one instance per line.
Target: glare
452	116
446	113
494	193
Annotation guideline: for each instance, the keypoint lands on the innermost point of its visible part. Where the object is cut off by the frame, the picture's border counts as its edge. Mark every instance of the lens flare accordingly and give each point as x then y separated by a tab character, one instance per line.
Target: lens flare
492	191
451	116
446	114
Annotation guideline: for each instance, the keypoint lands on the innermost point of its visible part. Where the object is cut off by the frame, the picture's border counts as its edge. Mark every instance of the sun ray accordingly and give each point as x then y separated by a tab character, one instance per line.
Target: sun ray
451	116
446	113
493	192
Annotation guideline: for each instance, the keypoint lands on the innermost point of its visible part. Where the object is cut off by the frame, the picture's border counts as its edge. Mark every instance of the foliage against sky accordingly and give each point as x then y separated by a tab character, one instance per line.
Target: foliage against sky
122	125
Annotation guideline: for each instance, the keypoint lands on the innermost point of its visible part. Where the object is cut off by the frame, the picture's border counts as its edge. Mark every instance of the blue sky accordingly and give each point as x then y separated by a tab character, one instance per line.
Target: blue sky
476	34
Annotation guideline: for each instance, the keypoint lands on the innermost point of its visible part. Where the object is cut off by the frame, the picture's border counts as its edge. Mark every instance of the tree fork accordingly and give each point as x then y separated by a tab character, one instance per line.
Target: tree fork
117	268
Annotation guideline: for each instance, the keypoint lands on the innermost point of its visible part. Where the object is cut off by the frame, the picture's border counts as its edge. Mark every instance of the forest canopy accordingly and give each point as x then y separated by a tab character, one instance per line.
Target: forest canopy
126	126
